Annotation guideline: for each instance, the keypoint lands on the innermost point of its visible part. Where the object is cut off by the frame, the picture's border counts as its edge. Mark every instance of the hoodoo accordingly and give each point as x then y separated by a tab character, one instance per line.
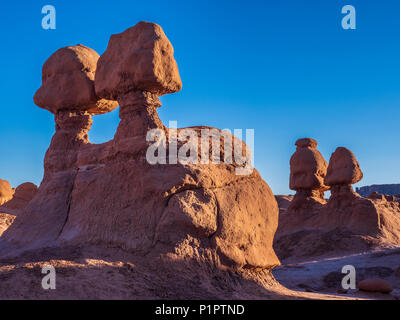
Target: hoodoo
307	172
346	222
343	171
109	195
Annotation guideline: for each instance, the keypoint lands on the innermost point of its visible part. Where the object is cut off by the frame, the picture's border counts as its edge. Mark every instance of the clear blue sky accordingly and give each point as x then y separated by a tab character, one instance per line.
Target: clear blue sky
285	68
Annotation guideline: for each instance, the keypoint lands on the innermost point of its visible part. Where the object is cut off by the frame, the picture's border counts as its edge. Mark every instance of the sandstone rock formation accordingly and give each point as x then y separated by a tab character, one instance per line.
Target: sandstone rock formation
23	194
109	195
307	172
140	59
356	213
347	222
67	91
343	171
6	192
137	67
68	82
11	201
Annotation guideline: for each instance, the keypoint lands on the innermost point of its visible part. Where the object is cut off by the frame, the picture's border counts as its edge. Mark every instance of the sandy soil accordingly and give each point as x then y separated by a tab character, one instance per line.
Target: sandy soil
114	274
324	275
111	273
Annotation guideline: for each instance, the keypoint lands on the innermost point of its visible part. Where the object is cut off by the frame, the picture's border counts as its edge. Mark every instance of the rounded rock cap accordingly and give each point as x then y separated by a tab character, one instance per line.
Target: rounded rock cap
68	82
26	190
307	166
307	143
139	59
343	168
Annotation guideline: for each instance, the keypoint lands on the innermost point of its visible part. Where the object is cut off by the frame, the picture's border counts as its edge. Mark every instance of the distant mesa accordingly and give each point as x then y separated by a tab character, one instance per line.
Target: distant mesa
387	189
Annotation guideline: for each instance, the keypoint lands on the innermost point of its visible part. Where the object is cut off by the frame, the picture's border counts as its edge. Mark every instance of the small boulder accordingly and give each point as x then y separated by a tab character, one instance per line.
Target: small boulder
375	285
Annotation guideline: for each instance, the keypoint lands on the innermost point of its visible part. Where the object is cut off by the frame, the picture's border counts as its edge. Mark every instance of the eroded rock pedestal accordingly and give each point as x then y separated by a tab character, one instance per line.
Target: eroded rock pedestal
347	222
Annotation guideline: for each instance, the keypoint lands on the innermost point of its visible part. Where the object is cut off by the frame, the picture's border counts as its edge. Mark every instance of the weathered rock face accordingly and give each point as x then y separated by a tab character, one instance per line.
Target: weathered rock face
6	192
307	172
110	195
343	169
68	82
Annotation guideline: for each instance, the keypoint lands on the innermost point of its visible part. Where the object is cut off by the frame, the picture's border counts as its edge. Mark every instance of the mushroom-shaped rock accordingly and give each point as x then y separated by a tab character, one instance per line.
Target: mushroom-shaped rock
307	166
68	91
362	215
139	59
137	67
68	82
6	192
343	168
307	172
